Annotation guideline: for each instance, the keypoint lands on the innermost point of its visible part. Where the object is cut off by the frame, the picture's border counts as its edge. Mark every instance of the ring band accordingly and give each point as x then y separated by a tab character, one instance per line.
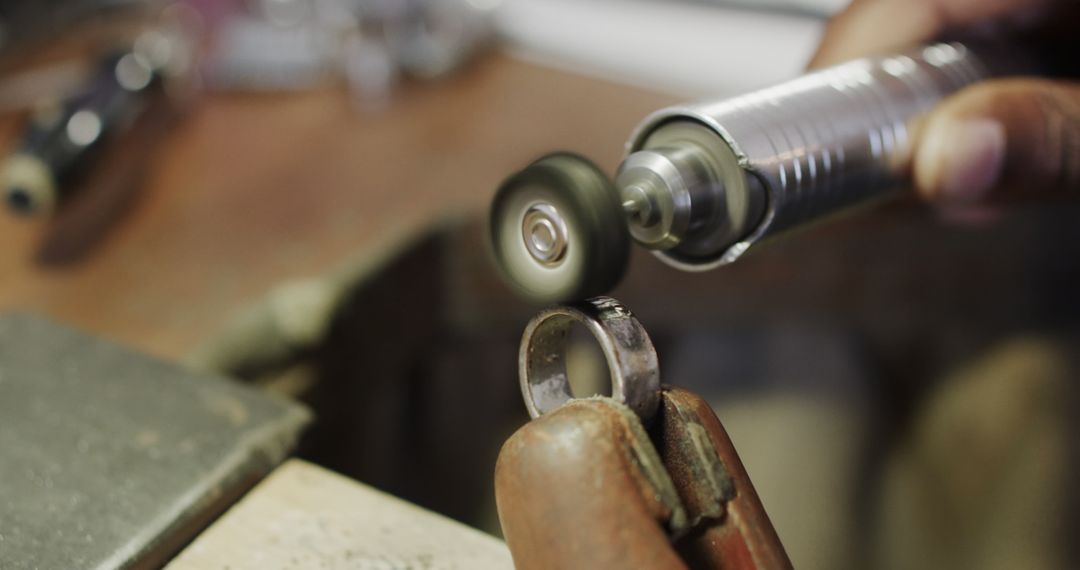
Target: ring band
630	356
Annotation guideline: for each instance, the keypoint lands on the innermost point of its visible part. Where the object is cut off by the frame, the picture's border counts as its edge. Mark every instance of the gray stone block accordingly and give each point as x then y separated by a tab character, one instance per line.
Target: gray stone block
113	459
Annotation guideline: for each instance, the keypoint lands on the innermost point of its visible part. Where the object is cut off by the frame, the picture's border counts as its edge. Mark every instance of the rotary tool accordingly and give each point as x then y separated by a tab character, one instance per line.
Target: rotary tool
702	183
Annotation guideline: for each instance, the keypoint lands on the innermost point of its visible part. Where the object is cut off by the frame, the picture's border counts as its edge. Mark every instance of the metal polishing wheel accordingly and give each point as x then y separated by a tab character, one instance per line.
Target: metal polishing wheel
558	230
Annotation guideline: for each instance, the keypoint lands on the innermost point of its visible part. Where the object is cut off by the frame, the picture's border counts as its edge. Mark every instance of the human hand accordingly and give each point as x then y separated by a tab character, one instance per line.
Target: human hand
996	141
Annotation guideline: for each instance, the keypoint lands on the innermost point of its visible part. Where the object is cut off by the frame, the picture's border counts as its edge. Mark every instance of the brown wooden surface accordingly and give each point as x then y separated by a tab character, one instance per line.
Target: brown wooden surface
252	189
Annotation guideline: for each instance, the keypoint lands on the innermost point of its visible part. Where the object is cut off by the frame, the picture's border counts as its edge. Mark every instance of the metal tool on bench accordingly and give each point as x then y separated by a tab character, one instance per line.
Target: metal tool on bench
60	142
644	479
702	183
150	73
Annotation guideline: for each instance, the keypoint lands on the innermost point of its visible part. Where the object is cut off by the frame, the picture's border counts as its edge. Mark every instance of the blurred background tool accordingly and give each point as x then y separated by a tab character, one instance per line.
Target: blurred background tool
264	45
132	76
369	45
62	141
702	183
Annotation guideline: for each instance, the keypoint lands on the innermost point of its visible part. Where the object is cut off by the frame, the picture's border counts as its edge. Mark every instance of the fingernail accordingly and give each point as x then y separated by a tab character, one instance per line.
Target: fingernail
960	160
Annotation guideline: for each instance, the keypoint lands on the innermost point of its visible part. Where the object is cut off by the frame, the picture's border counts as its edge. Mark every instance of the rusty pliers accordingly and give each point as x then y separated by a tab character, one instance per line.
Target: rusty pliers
647	478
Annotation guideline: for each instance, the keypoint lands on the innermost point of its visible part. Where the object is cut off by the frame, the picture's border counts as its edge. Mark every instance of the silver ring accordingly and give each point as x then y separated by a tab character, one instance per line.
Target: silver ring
631	358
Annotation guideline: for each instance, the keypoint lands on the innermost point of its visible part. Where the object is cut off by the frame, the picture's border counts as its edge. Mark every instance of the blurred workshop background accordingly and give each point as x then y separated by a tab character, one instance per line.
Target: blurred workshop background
292	193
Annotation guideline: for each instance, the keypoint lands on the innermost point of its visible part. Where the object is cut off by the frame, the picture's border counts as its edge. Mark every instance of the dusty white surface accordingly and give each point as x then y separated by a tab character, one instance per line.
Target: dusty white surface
304	516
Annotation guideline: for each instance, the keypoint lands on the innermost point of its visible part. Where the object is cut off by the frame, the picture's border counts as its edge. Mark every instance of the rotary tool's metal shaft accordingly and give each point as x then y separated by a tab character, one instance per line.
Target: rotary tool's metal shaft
789	154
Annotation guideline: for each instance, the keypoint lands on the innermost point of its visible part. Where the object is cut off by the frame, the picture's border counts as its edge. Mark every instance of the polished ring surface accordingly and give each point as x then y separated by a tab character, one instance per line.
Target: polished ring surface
630	356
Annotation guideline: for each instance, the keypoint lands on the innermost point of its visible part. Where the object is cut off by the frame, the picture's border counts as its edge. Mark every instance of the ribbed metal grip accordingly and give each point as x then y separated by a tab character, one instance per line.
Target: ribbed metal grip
832	138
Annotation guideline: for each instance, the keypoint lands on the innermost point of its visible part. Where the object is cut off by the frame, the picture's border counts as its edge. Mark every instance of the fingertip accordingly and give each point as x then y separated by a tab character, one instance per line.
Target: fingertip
960	160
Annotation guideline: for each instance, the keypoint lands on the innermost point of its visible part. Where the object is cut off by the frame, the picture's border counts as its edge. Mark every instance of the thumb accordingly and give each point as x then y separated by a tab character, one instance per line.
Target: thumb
1001	140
